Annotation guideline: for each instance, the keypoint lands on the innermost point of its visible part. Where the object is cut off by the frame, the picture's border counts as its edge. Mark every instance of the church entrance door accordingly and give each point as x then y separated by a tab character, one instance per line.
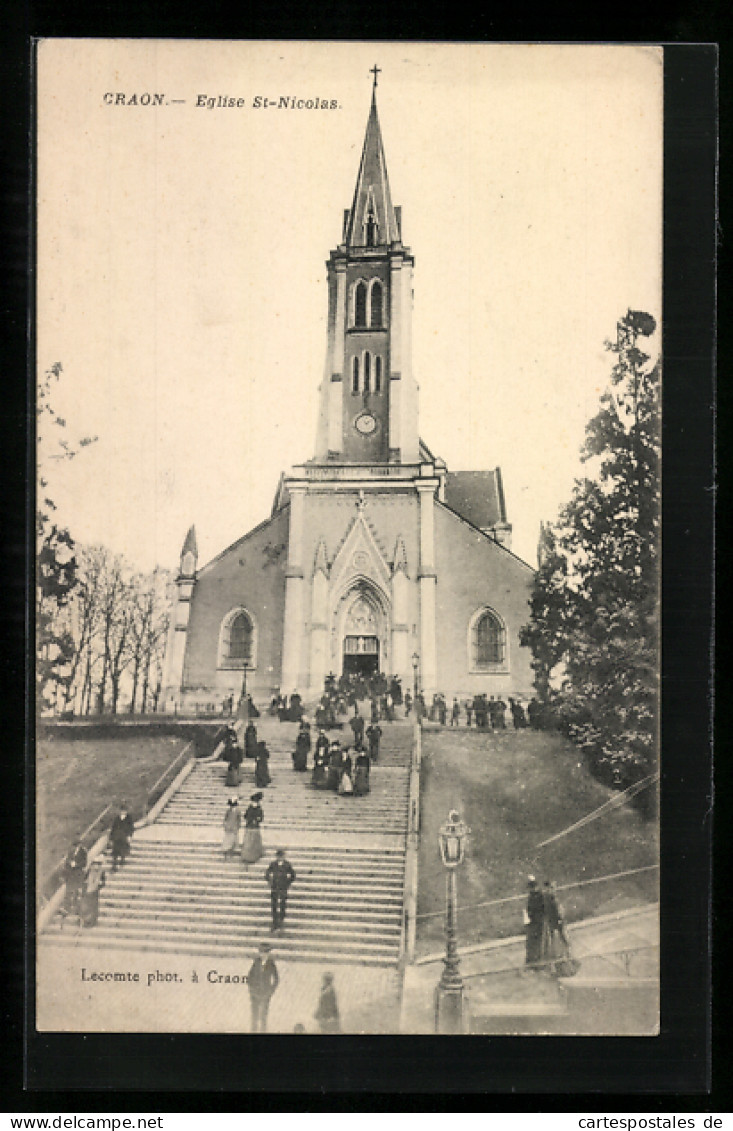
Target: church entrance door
361	655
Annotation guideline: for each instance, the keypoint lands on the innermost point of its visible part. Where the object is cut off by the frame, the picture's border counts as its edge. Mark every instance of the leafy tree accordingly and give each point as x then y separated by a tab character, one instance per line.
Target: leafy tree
594	609
56	565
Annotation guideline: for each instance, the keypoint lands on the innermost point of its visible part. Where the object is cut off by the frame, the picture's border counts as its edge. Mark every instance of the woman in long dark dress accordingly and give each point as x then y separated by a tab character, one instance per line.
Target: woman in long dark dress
250	741
234	768
362	767
252	849
534	917
302	749
334	767
327	1012
555	944
262	770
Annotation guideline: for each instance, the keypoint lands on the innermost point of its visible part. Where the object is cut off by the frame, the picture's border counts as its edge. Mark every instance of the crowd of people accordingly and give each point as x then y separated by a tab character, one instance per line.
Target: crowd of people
485	712
343	695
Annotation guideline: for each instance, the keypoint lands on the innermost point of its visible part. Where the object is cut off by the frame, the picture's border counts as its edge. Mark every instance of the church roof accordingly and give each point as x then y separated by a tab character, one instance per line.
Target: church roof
372	190
477	496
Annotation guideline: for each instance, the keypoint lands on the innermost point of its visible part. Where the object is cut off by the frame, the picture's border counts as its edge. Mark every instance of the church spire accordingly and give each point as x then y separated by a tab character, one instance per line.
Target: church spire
372	221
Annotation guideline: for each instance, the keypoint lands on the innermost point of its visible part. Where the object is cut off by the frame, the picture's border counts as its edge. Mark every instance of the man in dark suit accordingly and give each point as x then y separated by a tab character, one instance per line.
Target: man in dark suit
279	875
262	981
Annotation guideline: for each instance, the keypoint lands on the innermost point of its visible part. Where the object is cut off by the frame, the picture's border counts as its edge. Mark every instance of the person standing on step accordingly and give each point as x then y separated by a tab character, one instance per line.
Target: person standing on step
408	704
302	749
327	1013
321	744
534	917
252	849
374	733
95	880
455	714
232	825
120	835
233	755
346	782
333	775
262	770
262	981
469	711
279	875
250	741
74	872
362	767
356	723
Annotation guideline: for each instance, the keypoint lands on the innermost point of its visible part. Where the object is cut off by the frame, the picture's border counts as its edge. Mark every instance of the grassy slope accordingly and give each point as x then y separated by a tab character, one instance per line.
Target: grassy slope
514	789
76	778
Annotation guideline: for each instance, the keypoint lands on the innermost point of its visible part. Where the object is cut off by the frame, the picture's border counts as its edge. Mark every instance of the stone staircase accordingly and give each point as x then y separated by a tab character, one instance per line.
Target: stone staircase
176	893
290	804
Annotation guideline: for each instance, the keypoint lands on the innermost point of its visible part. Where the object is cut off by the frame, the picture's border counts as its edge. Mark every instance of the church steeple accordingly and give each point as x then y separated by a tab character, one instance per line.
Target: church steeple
368	410
372	220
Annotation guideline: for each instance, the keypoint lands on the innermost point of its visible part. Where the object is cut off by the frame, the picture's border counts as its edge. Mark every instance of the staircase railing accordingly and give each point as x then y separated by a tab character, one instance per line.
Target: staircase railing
48	887
157	790
409	917
625	953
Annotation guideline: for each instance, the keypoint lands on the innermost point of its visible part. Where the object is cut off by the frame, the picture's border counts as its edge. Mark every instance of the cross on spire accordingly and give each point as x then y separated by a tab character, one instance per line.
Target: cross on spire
375	70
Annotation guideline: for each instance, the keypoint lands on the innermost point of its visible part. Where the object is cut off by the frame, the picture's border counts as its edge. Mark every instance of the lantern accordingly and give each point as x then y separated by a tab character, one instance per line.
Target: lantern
452	840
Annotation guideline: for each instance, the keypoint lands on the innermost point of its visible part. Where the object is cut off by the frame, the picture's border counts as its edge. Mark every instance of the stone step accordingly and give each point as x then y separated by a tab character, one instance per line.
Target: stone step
237	917
303	932
357	907
150	880
184	897
289	949
386	828
214	861
309	852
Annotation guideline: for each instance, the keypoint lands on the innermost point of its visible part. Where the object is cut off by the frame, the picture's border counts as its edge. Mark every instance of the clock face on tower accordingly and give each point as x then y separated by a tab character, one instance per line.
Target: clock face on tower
365	424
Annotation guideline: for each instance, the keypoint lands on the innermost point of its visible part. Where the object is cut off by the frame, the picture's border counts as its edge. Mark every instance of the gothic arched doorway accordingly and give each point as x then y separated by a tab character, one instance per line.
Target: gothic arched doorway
361	631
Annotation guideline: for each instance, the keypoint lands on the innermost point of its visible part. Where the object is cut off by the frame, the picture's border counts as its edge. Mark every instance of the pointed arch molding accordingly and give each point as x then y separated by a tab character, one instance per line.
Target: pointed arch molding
369	282
360	554
223	659
353	591
501	665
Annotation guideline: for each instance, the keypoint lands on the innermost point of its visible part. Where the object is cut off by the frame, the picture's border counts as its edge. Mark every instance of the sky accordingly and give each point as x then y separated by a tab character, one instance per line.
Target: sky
181	262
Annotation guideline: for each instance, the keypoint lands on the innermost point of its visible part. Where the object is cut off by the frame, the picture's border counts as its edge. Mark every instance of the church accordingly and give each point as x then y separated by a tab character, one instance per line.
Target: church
375	556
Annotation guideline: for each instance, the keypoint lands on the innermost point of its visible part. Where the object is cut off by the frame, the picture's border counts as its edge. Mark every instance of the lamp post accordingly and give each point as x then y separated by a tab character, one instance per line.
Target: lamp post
415	669
451	1014
243	708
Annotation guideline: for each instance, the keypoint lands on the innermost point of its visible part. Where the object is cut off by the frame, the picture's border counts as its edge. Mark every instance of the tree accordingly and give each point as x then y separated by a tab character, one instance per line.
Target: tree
594	607
56	565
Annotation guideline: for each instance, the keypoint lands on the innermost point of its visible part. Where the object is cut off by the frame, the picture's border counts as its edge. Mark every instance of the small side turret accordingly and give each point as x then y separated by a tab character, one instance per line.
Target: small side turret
189	556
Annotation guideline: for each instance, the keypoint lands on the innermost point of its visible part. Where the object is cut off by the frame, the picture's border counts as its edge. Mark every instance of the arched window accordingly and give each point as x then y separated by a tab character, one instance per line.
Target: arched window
375	311
367	372
355	375
360	306
237	640
377	374
487	640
